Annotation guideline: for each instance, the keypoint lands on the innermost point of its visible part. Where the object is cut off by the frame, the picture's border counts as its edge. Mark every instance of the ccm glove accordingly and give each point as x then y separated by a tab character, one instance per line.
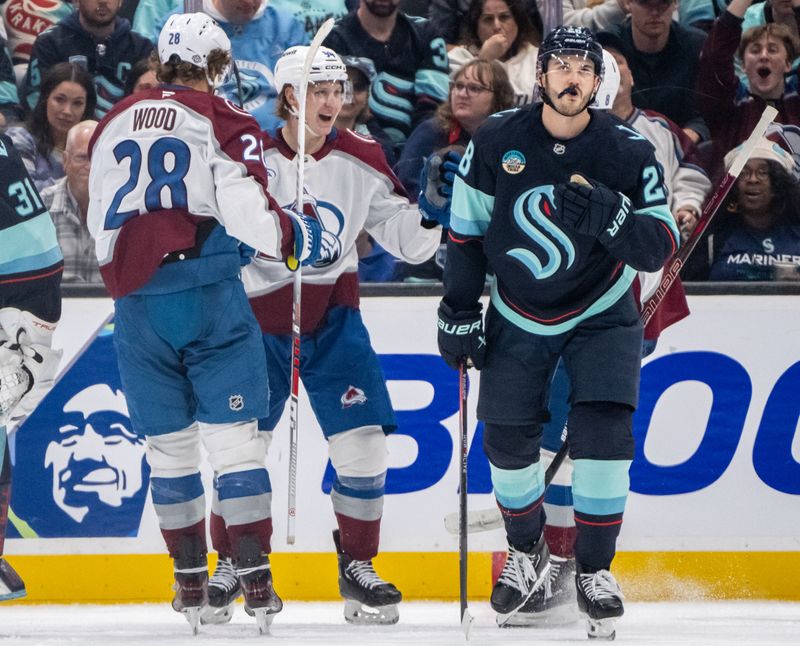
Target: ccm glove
591	209
436	183
461	337
307	240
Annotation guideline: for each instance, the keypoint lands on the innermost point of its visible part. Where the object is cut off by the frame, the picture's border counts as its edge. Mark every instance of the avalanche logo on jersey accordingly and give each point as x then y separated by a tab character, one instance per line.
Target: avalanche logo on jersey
353	396
332	220
533	213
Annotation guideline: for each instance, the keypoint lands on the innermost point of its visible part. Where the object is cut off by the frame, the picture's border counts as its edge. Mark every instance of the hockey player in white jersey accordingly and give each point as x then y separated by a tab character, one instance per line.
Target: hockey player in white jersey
349	187
177	181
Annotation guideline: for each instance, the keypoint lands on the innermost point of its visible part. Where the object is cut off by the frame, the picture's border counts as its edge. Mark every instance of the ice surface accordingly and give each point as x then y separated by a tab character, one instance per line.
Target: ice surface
421	624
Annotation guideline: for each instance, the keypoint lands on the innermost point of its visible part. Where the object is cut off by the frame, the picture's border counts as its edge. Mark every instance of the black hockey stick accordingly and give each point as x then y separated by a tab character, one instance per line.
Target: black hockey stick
487	519
463	551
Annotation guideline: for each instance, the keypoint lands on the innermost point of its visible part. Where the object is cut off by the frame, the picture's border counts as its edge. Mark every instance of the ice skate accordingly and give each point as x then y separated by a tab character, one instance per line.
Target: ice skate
523	575
368	599
191	581
556	609
600	601
223	591
255	576
11	584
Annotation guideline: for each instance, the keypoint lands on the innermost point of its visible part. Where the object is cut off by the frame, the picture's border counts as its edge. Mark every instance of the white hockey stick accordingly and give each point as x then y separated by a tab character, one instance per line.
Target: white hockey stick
482	520
297	284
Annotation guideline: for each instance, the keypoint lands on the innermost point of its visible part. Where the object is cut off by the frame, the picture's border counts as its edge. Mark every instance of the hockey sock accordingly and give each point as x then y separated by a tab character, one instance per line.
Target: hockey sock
600	489
358	505
245	503
520	497
181	509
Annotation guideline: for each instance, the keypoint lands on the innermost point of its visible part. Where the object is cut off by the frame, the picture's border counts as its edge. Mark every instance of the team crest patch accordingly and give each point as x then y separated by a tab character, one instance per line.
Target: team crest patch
559	149
353	396
513	162
236	402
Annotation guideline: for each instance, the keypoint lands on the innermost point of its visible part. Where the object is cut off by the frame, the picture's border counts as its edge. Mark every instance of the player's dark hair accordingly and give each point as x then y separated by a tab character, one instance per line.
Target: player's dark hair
529	28
178	71
37	123
491	74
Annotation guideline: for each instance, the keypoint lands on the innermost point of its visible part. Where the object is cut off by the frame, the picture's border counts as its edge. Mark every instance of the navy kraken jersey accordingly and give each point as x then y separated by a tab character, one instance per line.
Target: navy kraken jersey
30	258
548	278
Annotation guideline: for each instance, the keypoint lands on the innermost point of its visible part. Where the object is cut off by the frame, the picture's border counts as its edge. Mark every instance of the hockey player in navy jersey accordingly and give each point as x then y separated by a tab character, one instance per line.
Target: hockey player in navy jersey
349	187
30	307
565	204
177	181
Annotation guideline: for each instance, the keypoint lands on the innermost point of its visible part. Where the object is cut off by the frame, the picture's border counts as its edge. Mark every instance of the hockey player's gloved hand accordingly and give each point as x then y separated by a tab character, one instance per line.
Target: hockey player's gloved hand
591	209
461	336
307	240
436	186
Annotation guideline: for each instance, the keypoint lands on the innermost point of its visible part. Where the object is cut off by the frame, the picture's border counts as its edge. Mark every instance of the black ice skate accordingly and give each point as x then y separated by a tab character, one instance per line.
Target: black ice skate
191	580
523	575
368	599
600	601
255	576
557	608
11	584
223	591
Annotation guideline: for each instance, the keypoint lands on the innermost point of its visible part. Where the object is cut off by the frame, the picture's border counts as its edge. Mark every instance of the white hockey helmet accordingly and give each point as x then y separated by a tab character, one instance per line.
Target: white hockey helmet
191	37
609	86
326	67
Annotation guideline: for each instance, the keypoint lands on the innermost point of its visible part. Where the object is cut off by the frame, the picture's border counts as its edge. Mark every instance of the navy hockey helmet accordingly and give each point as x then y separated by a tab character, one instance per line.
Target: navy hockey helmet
566	41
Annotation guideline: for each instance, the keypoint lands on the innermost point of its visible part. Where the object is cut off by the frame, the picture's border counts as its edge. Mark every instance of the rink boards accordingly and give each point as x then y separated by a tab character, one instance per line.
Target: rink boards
714	510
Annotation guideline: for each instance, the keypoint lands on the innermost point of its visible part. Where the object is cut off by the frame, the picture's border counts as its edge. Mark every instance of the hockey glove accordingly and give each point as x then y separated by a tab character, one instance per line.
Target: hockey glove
591	209
436	183
461	337
307	240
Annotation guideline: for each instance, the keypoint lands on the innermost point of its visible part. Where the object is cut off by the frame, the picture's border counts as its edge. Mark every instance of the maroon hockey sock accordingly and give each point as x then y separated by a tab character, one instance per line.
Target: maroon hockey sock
173	537
359	538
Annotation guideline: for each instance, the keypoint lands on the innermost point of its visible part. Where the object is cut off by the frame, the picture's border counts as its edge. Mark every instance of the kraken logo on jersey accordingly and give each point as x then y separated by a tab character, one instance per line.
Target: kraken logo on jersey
533	213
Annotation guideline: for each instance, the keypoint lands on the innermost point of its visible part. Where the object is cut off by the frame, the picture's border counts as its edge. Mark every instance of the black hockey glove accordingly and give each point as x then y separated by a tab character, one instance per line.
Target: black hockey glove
461	336
591	209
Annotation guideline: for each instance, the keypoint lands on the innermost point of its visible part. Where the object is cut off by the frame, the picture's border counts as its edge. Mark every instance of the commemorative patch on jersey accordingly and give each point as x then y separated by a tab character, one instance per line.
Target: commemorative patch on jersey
513	162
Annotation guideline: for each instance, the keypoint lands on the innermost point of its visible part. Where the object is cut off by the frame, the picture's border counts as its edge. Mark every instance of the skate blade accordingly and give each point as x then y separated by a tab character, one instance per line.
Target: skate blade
356	612
217	615
263	619
557	616
193	617
603	629
8	595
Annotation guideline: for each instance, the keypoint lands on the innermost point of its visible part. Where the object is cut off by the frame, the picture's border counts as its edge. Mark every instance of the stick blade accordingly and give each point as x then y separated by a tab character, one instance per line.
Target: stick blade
466	623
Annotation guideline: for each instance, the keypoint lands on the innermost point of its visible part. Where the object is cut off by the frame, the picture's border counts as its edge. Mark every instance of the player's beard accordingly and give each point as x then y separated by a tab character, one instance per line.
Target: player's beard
99	24
380	8
566	108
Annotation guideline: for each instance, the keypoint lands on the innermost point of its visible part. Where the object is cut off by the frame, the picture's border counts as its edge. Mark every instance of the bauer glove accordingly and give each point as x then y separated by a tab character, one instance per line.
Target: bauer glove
436	184
591	208
307	240
461	336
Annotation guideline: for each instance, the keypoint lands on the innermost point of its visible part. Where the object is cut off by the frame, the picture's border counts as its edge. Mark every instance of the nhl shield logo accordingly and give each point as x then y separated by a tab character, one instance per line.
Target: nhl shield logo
559	148
236	402
353	396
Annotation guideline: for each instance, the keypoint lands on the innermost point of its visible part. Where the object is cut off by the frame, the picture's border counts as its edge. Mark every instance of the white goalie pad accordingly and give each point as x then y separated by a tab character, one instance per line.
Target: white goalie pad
14	380
28	339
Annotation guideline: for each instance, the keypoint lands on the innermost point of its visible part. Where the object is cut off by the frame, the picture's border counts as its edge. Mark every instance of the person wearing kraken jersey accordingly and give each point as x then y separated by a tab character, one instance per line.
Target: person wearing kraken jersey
409	57
348	186
565	204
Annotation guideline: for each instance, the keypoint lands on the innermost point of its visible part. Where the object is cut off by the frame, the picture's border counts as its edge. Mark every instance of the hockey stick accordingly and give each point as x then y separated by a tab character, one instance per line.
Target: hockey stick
709	211
463	550
297	283
486	519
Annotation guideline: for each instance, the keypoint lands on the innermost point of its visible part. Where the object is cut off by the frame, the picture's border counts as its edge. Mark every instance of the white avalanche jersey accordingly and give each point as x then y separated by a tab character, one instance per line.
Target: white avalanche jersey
349	187
177	180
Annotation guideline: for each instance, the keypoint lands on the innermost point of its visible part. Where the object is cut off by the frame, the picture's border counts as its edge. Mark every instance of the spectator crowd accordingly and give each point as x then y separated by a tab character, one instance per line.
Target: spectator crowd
694	78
